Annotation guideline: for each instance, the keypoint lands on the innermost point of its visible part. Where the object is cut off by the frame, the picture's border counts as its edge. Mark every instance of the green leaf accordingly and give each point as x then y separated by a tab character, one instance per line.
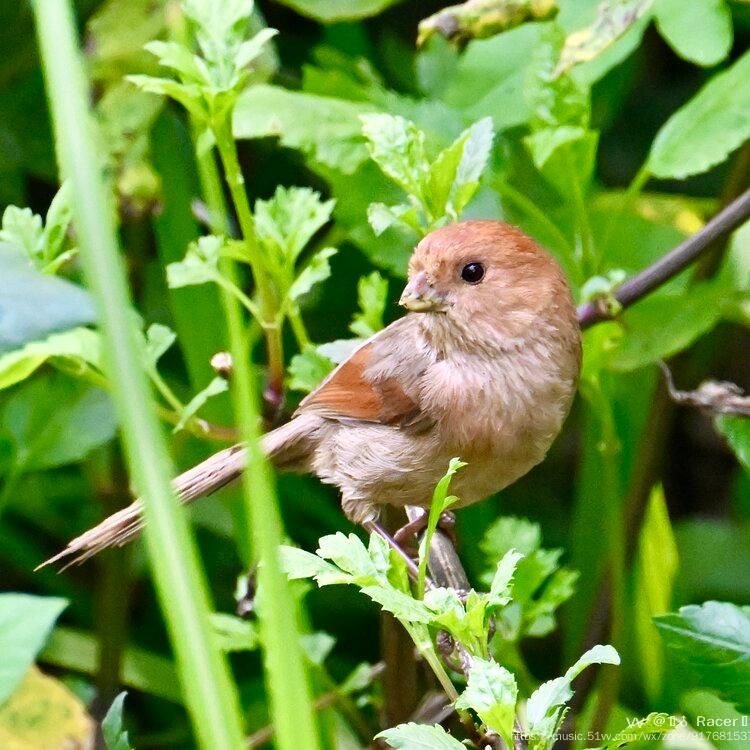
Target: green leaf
23	228
317	270
656	567
703	133
54	420
440	503
77	348
25	624
200	265
180	59
403	216
300	564
500	589
334	11
397	146
737	432
453	177
159	339
664	324
214	388
233	633
492	692
546	705
653	726
614	18
115	737
372	295
420	737
335	141
307	370
188	95
713	640
699	31
57	221
510	532
34	305
287	222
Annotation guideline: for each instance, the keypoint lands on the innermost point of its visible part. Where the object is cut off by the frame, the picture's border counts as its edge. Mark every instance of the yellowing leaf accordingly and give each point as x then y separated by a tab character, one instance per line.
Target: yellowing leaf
42	714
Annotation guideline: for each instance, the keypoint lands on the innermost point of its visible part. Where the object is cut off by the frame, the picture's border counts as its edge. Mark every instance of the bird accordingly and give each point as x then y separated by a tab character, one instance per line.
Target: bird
484	366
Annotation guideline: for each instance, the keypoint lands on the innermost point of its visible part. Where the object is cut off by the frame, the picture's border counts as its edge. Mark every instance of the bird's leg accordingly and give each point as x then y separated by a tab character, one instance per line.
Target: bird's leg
411	566
447	524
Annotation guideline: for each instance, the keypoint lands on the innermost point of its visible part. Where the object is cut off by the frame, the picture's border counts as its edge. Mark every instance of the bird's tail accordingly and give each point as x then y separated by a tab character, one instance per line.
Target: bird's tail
121	527
287	447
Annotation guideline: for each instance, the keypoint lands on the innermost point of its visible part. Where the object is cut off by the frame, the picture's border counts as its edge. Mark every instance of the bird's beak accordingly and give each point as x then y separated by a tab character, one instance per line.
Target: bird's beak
420	296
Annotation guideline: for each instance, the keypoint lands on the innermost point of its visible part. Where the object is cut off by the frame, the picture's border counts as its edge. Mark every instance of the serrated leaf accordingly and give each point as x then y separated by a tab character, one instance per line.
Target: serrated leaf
397	147
300	564
500	589
420	737
214	388
188	95
402	606
25	623
454	176
656	566
288	221
200	265
372	294
180	59
546	705
115	737
713	640
402	216
699	31
308	369
23	228
703	132
335	141
492	692
317	270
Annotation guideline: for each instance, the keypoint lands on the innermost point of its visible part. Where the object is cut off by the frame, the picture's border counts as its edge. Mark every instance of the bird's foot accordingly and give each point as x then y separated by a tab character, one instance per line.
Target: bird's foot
408	533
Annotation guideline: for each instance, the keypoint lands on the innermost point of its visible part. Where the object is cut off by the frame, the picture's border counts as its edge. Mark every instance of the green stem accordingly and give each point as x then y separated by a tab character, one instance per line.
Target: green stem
588	262
210	695
298	327
266	298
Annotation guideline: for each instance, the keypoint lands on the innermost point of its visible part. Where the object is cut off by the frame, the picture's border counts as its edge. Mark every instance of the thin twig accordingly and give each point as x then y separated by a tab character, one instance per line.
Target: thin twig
669	265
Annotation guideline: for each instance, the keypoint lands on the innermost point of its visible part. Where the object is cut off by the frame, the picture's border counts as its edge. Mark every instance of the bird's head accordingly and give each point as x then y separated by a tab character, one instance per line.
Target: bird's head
484	273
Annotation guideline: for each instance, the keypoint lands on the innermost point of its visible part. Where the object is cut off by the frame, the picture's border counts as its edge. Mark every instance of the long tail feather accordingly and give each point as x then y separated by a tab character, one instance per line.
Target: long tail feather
118	529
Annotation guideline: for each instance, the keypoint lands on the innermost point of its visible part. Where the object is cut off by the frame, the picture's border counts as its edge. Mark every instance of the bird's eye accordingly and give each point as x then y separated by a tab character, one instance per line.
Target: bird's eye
472	273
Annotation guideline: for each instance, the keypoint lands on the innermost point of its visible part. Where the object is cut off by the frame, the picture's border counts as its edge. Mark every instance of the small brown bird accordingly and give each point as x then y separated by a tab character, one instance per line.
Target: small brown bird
484	366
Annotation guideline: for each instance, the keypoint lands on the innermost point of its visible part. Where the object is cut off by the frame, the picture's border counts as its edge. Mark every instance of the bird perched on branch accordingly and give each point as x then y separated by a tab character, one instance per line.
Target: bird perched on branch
483	366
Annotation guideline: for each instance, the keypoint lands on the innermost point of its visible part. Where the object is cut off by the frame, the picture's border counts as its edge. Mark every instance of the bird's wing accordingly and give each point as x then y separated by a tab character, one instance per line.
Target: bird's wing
353	392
